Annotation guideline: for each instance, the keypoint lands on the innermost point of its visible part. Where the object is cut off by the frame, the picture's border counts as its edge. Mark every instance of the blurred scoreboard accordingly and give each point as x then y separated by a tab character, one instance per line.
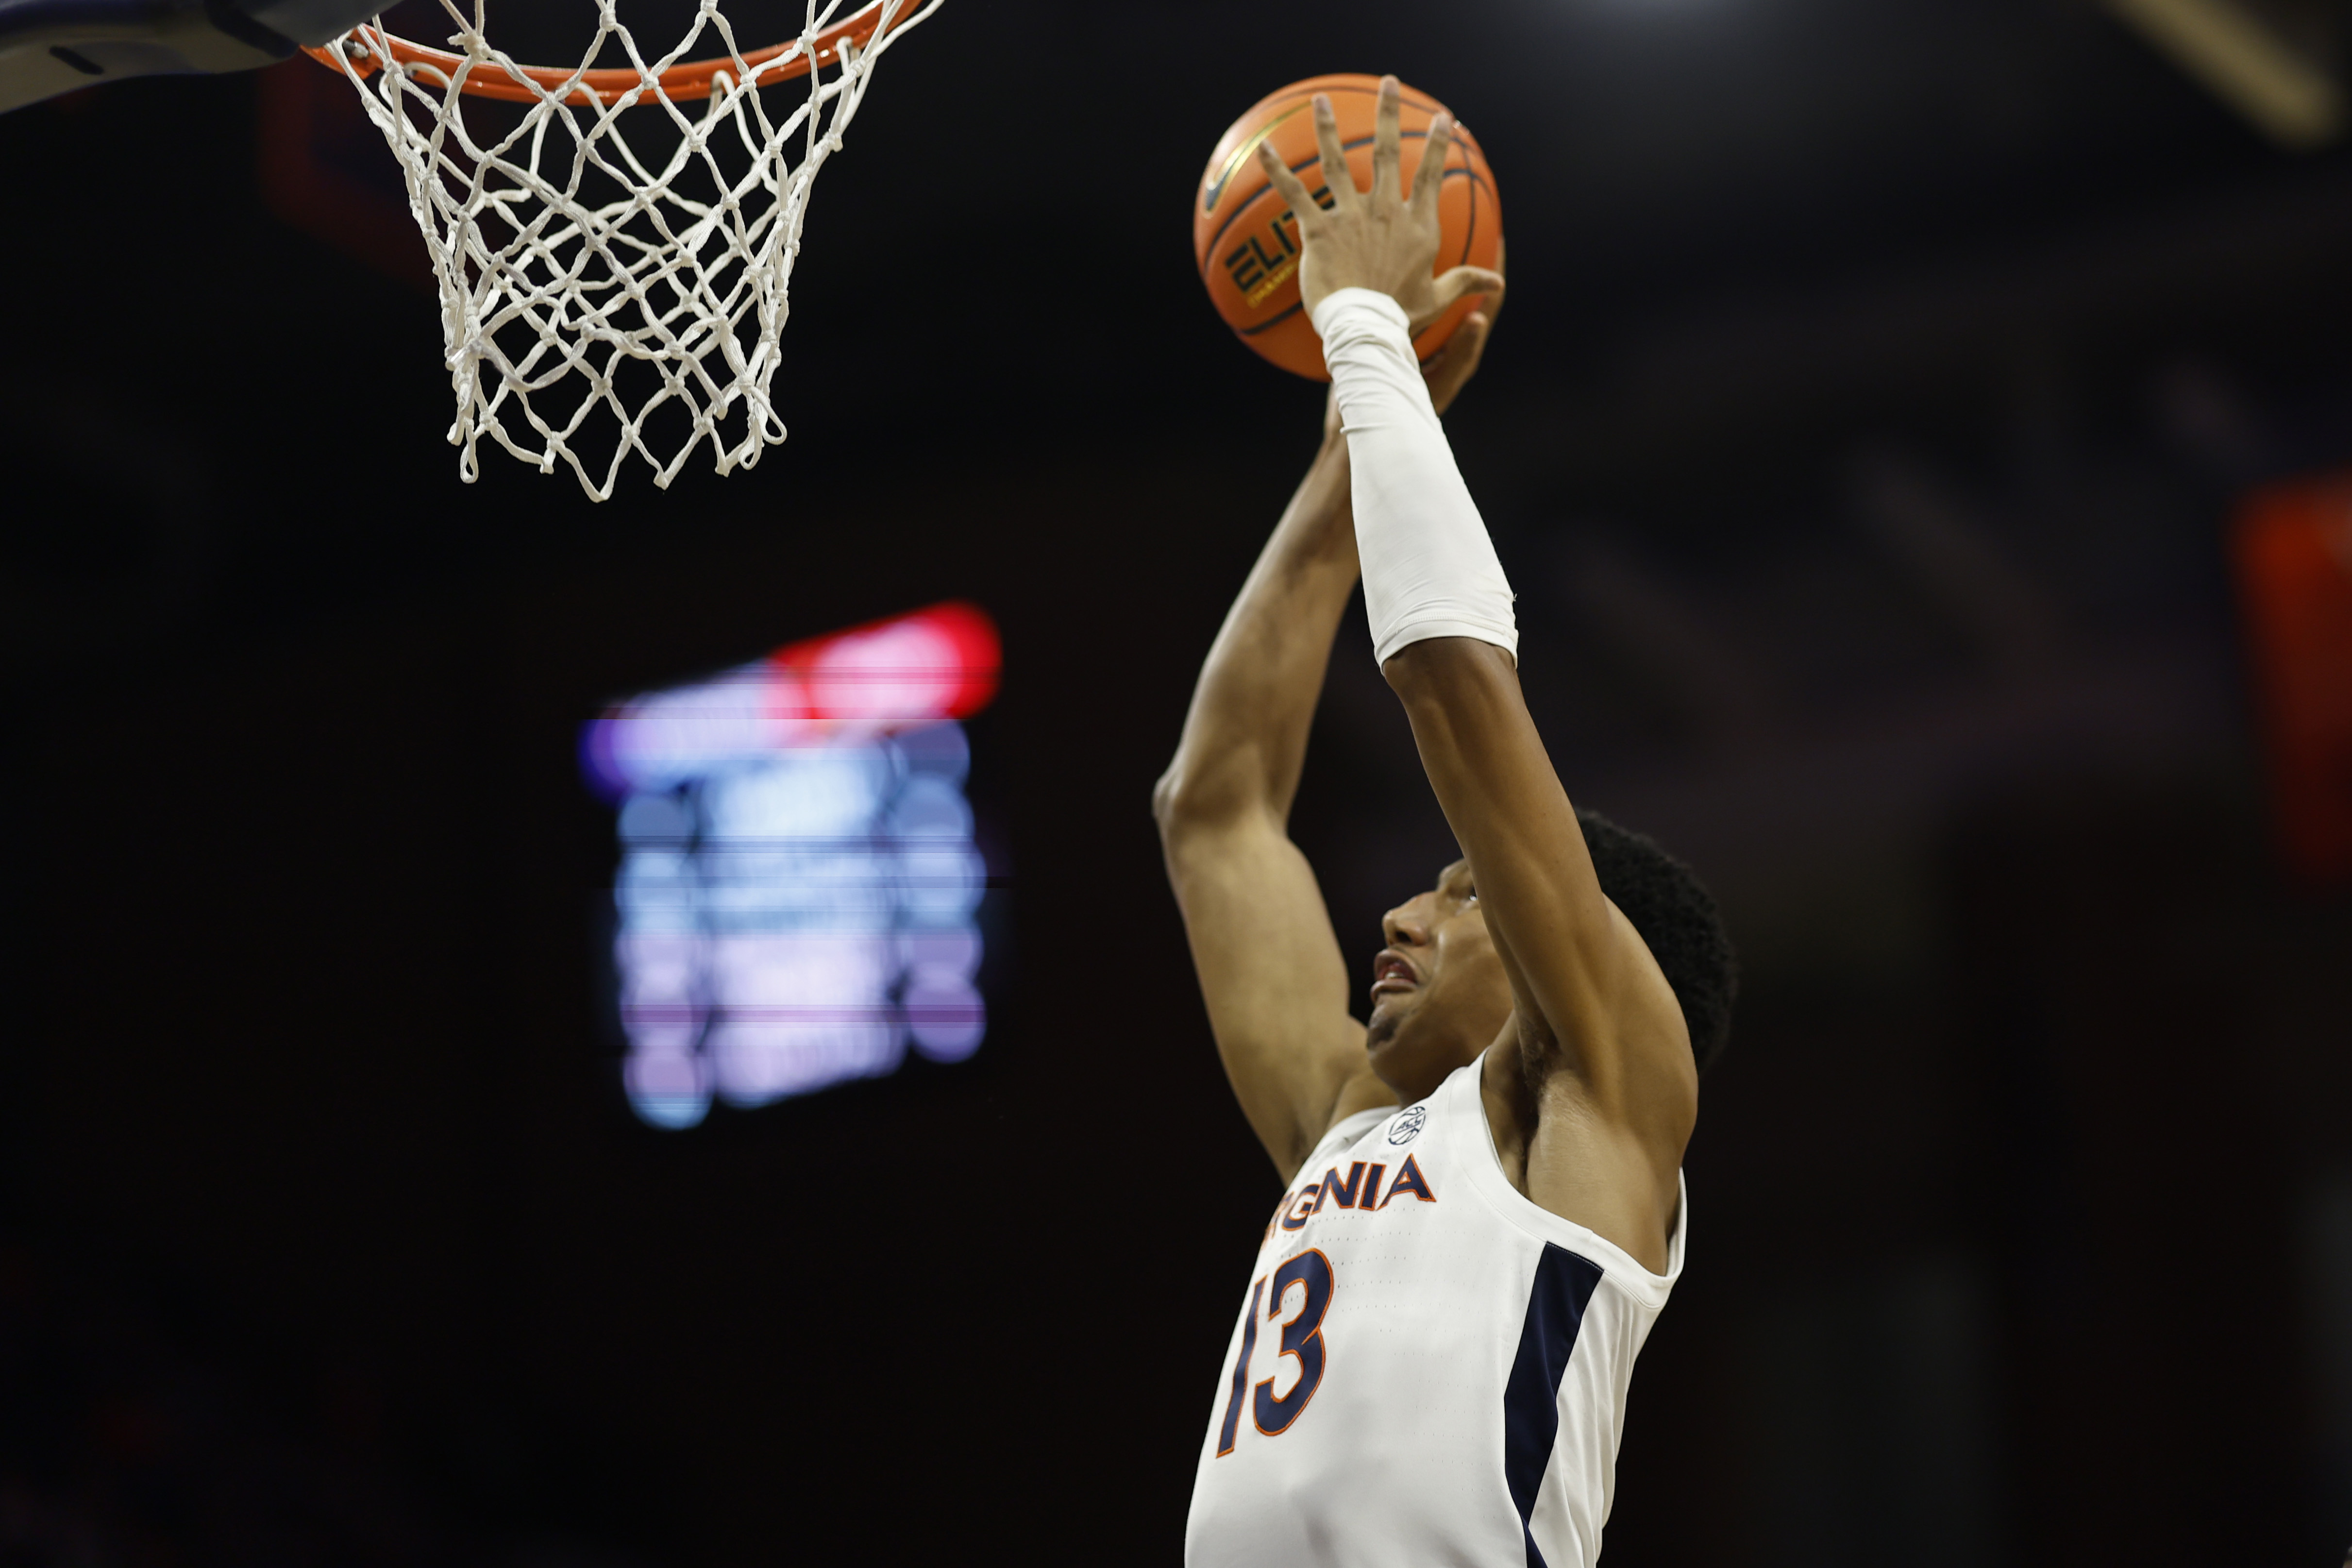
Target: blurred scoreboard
799	892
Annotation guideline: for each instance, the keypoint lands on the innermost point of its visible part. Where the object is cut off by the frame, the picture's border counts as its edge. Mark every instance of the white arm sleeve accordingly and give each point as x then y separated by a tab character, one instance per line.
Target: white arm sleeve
1430	570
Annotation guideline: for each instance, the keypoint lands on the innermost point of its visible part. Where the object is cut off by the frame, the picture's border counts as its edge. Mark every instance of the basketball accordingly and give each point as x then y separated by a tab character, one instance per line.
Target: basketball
1246	242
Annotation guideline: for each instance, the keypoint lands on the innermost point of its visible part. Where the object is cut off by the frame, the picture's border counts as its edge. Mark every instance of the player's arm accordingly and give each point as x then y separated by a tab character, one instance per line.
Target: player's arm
1269	964
1600	1037
1594	1017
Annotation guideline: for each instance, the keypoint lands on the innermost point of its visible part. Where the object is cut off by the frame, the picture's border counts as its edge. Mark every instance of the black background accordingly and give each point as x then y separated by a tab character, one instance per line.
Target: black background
1860	435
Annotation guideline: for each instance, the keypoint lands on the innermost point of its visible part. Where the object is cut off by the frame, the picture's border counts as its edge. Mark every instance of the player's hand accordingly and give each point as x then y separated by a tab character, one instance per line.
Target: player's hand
1382	238
1448	371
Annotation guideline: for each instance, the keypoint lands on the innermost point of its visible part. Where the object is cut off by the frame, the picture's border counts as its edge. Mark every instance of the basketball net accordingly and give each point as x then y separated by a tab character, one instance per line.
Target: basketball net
576	276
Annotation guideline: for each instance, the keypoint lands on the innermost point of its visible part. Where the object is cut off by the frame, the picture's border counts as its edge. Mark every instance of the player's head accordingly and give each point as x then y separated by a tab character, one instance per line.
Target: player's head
1439	992
1677	918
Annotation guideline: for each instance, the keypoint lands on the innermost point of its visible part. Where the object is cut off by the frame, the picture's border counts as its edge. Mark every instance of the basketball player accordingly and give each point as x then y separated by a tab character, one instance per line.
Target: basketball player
1486	1211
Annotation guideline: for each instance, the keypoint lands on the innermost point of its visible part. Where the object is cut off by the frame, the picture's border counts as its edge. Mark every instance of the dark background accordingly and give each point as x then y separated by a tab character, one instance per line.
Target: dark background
1860	435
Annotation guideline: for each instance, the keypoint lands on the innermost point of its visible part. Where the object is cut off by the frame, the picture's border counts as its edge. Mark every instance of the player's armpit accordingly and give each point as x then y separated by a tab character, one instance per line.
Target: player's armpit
1273	977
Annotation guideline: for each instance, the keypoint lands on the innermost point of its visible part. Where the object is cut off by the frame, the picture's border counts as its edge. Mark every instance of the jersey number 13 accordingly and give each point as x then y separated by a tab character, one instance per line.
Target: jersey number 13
1306	1279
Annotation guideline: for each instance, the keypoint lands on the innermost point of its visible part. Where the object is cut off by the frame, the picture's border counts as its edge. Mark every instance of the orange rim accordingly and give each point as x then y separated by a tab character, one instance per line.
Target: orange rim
679	83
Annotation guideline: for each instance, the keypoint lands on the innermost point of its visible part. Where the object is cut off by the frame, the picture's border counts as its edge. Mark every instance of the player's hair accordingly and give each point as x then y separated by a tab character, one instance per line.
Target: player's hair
1677	918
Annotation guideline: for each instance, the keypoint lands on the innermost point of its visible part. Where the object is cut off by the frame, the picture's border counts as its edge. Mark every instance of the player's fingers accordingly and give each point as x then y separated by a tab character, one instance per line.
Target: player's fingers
1335	159
1385	178
1467	346
1456	283
1457	361
1432	173
1287	185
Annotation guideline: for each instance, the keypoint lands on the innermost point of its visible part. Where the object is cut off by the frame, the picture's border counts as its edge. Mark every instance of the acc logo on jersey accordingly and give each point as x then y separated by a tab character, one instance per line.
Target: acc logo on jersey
1408	1124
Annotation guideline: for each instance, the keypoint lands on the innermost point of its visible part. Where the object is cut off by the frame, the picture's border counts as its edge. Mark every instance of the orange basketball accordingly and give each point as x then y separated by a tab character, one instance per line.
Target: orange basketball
1246	243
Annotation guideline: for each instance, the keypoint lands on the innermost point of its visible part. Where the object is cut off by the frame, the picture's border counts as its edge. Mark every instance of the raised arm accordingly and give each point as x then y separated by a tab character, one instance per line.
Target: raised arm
1595	1091
1270	966
1602	1084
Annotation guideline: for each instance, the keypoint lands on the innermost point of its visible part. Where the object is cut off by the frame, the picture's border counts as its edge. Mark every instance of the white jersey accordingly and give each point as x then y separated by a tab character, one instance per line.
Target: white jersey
1429	1370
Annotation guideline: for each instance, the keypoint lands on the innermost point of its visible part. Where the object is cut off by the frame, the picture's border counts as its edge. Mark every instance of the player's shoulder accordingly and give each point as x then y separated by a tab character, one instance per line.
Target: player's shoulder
1346	1133
1399	1124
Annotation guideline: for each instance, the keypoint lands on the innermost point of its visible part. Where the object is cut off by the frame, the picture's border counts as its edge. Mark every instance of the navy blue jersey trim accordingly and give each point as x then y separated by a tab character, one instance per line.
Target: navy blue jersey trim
1564	1283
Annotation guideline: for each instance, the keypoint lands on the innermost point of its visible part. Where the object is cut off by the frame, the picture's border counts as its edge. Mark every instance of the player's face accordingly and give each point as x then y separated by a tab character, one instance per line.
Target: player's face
1439	992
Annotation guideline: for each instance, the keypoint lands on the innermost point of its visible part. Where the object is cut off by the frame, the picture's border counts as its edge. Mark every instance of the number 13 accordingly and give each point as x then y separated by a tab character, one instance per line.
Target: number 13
1302	1337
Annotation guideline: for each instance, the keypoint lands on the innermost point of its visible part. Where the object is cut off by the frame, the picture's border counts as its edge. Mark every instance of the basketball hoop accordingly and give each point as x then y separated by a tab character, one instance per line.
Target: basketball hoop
573	271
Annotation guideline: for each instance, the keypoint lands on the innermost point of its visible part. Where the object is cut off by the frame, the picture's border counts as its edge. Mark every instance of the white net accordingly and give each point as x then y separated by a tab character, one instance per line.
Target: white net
596	303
